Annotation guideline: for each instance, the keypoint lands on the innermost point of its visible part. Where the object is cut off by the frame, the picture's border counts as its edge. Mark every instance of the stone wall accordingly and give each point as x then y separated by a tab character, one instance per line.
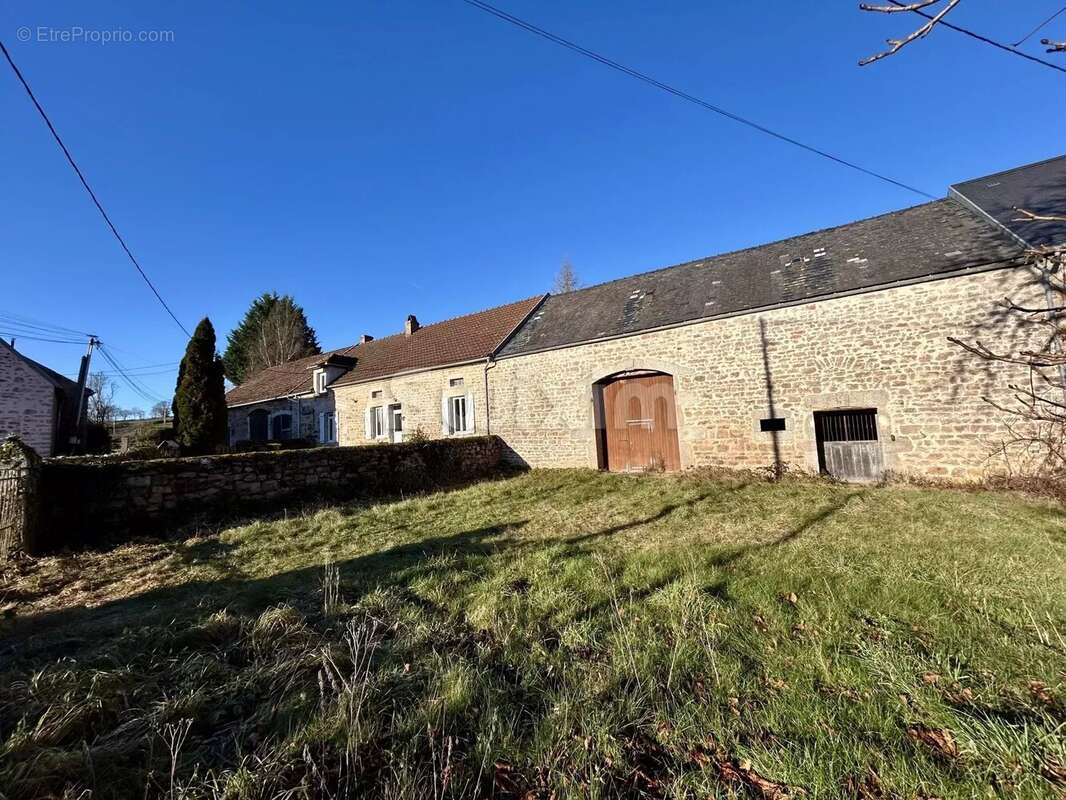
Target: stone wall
419	396
886	350
27	403
82	503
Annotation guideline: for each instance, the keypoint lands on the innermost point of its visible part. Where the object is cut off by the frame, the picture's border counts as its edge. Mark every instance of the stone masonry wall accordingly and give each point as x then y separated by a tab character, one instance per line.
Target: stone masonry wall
82	503
305	413
419	395
886	350
27	403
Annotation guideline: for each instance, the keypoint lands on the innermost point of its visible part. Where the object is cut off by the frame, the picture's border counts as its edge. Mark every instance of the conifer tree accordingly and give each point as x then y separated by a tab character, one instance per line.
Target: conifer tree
274	330
200	403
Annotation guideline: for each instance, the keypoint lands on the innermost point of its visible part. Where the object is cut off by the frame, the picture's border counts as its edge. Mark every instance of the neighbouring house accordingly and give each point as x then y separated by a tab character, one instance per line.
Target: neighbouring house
290	401
827	351
430	378
36	403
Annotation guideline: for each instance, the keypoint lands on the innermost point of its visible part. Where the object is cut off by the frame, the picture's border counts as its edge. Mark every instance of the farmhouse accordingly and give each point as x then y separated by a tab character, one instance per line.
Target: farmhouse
36	403
827	351
429	379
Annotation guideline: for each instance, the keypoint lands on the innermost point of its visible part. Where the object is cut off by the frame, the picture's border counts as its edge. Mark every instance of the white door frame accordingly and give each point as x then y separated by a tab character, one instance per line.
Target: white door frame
395	412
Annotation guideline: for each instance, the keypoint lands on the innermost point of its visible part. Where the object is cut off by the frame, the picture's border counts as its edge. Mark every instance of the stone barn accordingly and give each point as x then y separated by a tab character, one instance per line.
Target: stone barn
824	352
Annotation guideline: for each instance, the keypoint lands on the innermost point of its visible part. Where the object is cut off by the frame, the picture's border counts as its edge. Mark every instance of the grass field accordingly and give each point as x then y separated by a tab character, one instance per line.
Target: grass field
556	634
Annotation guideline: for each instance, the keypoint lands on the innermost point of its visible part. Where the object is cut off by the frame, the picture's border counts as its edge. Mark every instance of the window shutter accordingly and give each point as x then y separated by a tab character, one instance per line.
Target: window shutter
387	411
471	417
321	428
366	423
445	413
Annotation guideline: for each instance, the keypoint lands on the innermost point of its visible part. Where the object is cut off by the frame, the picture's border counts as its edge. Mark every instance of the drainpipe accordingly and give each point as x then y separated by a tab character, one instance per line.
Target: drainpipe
489	364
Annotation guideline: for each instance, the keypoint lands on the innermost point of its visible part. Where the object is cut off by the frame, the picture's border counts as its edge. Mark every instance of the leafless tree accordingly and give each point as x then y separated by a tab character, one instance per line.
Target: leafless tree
279	339
566	279
937	11
102	408
1036	410
161	410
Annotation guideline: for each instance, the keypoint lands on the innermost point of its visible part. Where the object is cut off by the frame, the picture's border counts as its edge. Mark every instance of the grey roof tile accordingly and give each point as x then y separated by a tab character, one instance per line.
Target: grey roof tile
1037	188
938	237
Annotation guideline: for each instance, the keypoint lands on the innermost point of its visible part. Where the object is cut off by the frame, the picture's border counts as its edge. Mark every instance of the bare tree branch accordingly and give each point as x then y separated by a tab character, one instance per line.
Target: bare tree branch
898	44
1029	216
1035	420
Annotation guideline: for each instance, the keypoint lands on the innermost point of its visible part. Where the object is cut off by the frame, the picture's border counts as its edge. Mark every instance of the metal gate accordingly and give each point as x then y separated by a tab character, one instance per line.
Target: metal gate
12	486
848	444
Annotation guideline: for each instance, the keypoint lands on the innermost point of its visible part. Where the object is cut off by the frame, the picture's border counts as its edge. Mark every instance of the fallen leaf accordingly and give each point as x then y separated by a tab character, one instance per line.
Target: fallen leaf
960	696
1054	772
930	678
791	598
742	773
760	623
1040	692
939	740
508	783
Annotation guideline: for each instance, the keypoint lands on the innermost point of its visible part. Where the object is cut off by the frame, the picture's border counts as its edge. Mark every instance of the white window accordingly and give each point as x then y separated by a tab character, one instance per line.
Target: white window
327	427
375	422
320	381
457	414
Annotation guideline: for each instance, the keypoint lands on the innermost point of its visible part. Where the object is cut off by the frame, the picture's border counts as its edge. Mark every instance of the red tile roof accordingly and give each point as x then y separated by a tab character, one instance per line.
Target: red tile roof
453	341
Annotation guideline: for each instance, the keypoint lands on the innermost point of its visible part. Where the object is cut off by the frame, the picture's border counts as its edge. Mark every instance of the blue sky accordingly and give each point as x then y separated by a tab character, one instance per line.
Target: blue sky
381	159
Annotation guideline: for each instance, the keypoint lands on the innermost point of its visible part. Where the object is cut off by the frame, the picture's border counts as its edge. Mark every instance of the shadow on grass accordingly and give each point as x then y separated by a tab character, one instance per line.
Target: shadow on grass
33	640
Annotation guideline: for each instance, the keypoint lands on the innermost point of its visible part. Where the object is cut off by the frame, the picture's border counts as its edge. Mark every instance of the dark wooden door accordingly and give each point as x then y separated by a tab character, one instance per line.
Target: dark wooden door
848	445
258	425
640	424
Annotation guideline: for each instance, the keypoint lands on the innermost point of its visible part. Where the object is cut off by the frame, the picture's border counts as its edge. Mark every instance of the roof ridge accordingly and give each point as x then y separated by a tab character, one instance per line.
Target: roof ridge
739	250
1010	171
422	327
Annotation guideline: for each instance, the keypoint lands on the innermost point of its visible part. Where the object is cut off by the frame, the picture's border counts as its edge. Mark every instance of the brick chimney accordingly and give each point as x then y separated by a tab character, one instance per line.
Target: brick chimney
366	337
411	325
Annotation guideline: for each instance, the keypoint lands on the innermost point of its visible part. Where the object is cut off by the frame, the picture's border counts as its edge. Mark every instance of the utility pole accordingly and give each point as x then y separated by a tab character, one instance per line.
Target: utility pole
79	402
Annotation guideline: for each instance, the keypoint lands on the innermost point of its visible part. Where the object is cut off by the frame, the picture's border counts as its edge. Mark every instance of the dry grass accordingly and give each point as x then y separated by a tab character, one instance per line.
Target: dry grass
566	634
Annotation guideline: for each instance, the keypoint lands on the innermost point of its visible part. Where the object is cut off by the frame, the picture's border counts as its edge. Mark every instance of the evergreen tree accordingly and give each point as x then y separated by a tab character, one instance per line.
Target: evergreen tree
269	350
174	402
200	403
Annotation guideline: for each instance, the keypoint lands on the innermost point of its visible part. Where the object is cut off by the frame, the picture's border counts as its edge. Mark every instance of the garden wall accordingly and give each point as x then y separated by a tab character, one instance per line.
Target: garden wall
82	503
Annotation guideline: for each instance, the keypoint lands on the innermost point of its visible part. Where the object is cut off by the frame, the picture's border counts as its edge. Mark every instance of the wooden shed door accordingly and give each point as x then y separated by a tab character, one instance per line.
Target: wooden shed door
640	424
258	425
848	445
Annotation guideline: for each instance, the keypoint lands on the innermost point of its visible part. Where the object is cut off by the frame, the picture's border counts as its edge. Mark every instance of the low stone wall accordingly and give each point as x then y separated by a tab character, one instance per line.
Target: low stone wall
84	503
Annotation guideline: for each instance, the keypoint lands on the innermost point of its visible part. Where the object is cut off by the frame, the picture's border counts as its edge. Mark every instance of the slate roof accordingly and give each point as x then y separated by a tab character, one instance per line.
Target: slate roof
454	341
1038	188
938	237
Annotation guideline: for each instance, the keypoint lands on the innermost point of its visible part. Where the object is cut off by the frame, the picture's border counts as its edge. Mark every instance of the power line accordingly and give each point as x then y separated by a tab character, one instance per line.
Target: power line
1038	27
1005	47
20	335
551	37
11	318
88	188
140	389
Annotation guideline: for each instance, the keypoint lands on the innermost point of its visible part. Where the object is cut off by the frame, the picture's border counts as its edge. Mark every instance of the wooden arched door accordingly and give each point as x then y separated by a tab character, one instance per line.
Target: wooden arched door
640	423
